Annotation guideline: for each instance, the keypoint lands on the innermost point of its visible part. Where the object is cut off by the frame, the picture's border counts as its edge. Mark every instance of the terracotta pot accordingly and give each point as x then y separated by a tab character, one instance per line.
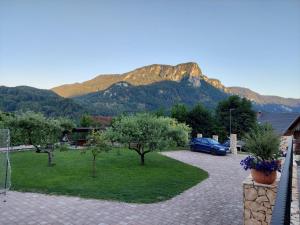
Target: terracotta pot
279	161
263	178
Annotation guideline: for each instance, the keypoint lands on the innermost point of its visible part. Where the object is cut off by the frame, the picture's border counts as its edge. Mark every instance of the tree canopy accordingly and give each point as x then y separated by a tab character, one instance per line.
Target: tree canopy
201	121
35	129
179	112
243	117
145	132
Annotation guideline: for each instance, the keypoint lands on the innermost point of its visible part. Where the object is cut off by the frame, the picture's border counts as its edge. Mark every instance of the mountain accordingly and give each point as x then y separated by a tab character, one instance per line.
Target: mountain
23	98
142	76
139	79
125	97
267	102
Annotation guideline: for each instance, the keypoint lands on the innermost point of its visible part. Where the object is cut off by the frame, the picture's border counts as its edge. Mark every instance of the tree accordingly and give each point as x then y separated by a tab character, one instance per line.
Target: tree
87	121
201	121
97	143
113	137
145	133
179	112
34	129
161	111
66	124
243	117
5	118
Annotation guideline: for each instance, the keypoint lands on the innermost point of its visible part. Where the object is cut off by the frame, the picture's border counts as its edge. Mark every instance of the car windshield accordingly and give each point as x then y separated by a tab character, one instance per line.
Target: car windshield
212	141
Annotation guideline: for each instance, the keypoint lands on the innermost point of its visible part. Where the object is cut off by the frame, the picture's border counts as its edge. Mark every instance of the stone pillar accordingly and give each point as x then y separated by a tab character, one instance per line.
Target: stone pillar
199	135
215	137
259	200
233	141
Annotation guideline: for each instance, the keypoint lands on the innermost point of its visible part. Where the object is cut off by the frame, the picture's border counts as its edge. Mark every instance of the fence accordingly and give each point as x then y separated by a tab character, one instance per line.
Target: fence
281	214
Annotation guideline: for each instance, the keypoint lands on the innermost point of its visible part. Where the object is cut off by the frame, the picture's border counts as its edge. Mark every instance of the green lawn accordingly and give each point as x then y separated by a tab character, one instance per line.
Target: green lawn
119	177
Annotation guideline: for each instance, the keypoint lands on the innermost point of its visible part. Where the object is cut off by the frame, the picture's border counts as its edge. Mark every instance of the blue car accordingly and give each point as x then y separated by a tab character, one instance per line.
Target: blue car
208	145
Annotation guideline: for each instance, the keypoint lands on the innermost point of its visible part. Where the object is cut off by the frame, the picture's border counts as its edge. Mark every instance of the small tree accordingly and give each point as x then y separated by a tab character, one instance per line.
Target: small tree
145	133
86	121
113	137
34	129
97	142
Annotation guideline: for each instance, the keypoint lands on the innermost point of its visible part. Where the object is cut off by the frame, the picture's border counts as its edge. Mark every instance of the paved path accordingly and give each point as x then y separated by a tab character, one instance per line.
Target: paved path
215	201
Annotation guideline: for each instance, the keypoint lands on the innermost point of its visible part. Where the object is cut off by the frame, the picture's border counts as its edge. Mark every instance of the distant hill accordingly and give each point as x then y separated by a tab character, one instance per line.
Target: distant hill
124	97
24	98
267	102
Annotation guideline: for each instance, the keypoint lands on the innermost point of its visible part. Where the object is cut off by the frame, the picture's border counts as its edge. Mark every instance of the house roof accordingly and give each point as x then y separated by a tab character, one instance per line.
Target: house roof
281	122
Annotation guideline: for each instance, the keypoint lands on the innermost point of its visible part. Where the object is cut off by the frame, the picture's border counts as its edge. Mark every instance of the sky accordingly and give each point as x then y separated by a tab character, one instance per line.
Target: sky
253	44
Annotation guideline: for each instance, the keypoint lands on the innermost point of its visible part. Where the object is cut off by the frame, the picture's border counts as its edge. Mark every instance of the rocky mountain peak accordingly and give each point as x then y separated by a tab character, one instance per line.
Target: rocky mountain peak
141	76
158	72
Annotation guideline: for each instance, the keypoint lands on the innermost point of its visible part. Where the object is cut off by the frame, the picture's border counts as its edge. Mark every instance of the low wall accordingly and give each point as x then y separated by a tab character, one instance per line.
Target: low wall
259	200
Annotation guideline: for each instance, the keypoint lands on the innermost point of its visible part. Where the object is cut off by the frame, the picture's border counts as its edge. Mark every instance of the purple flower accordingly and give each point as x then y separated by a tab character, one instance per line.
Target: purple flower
251	162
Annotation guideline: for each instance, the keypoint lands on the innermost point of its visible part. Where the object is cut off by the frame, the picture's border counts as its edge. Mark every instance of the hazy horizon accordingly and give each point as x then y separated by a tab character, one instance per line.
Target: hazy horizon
254	44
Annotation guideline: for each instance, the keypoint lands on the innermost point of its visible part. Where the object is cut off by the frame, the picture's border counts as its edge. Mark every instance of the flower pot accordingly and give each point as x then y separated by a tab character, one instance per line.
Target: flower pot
279	161
262	177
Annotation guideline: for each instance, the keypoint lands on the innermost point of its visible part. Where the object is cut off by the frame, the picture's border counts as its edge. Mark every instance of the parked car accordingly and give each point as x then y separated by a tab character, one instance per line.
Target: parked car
208	145
239	145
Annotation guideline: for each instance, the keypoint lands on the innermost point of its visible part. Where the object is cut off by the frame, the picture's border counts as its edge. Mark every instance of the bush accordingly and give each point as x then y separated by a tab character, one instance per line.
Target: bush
262	143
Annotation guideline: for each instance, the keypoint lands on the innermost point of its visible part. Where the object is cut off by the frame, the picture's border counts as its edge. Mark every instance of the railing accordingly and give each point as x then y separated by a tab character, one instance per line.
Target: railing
281	214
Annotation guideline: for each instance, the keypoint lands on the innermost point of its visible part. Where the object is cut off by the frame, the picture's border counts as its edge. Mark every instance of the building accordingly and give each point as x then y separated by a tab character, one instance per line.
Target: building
284	124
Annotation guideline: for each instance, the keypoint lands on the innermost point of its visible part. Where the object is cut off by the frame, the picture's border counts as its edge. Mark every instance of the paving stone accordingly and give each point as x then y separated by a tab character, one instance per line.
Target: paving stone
218	201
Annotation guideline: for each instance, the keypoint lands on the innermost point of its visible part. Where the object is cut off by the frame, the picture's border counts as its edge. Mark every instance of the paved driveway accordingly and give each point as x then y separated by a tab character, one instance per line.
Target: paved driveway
217	200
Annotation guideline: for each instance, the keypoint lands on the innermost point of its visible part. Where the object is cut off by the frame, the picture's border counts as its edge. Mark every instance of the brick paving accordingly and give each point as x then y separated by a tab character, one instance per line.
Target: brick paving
215	201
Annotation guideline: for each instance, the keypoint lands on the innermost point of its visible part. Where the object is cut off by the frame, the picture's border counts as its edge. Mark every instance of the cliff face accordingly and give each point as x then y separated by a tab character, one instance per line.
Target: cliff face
157	72
215	82
141	76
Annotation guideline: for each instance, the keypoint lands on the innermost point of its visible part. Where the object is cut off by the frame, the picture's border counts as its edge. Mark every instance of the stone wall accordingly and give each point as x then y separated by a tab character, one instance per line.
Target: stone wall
259	200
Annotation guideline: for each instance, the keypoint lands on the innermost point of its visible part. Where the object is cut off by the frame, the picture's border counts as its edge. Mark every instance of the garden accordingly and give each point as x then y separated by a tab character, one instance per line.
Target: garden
132	172
119	177
120	162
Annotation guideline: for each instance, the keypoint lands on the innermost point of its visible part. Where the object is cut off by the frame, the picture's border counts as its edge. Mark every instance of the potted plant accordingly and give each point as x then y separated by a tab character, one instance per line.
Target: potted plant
263	145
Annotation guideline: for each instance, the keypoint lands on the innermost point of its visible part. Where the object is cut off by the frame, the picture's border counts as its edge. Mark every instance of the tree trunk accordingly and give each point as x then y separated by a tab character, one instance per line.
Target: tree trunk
142	159
49	158
94	167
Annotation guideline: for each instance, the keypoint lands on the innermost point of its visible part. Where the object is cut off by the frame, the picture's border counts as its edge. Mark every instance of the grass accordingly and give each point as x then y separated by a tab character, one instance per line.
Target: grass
177	148
118	177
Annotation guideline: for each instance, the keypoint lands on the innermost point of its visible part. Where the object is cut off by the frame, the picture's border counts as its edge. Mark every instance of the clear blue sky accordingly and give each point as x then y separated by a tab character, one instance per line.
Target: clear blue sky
254	44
